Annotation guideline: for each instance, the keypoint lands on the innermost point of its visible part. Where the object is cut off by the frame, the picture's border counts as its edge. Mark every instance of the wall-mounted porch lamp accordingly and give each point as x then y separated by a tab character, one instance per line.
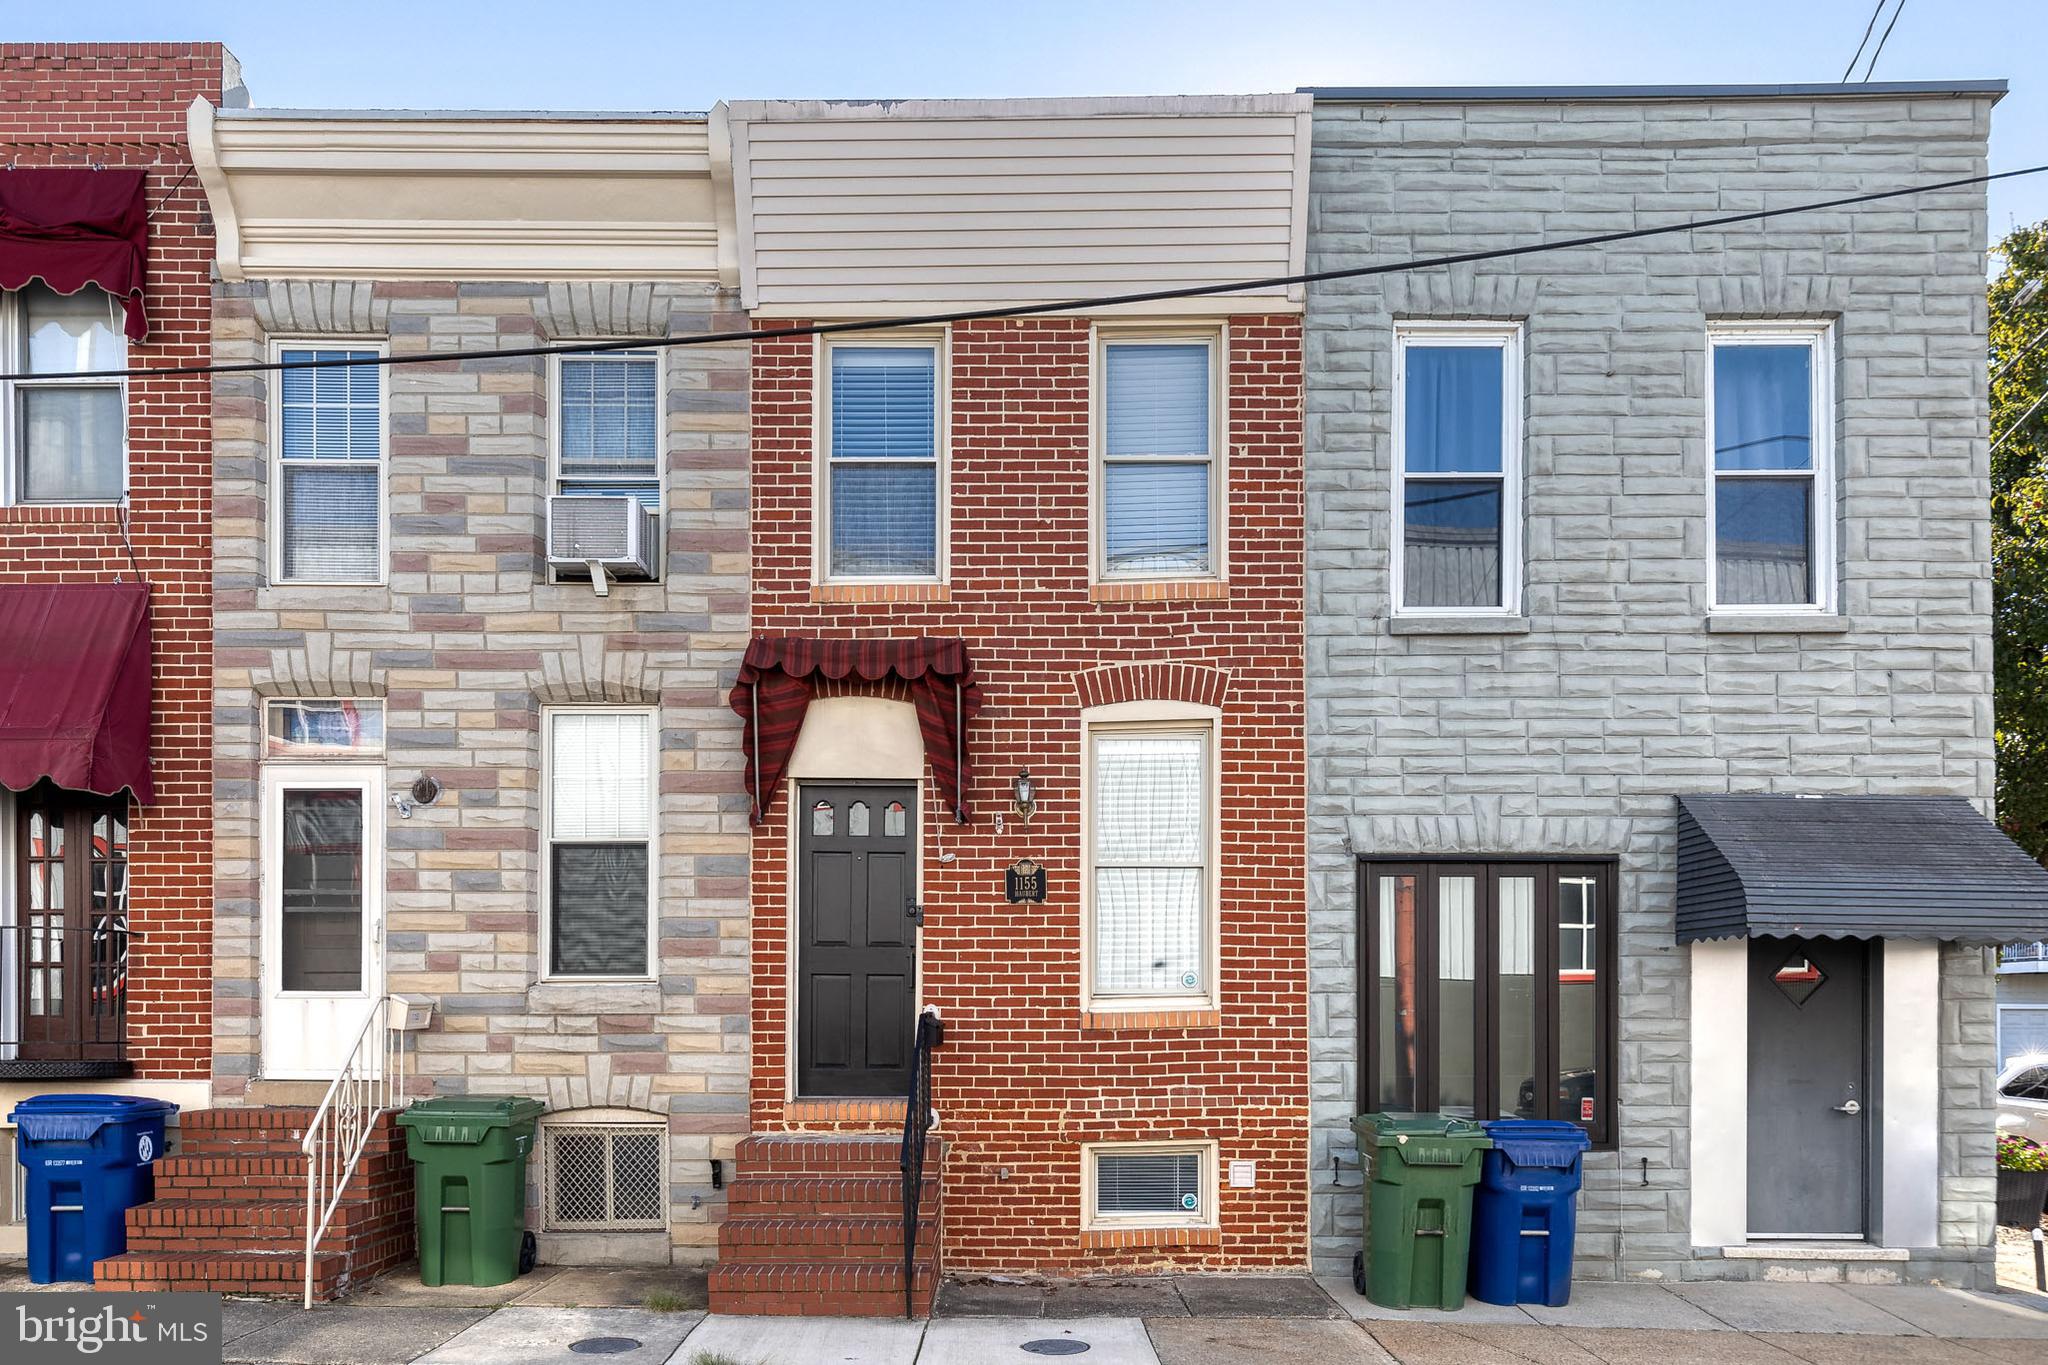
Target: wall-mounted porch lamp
1024	795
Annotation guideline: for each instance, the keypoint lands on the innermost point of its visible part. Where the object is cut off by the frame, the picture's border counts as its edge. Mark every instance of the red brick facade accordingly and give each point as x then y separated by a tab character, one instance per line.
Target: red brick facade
1025	1076
123	104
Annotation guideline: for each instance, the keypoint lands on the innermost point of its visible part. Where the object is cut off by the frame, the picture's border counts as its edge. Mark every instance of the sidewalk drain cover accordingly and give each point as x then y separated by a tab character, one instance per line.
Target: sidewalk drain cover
604	1346
1055	1346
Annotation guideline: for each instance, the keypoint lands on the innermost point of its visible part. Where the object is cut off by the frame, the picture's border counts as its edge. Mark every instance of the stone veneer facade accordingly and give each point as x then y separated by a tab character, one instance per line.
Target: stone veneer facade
1568	731
464	646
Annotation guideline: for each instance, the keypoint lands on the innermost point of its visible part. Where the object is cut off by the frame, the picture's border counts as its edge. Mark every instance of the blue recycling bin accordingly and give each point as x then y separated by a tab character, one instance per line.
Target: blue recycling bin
1525	1212
88	1160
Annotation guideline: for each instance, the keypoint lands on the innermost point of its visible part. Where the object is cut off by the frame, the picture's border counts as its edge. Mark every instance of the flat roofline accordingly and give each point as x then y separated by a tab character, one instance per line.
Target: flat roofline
1473	94
475	115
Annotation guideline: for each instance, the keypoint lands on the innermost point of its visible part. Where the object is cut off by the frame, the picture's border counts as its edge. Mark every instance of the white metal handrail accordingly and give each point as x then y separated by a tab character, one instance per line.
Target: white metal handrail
370	1083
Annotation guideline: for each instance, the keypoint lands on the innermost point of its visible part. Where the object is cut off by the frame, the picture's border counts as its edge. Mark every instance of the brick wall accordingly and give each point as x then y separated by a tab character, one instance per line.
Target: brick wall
1023	1080
1567	733
124	105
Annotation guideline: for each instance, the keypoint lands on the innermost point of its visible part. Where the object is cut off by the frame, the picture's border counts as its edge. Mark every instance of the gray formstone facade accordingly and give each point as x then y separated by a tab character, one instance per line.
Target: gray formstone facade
1567	731
464	646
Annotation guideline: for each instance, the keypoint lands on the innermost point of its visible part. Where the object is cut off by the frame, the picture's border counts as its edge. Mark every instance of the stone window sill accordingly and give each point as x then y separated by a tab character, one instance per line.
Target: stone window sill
881	592
1127	1021
1457	625
1164	590
1108	1239
593	997
1790	623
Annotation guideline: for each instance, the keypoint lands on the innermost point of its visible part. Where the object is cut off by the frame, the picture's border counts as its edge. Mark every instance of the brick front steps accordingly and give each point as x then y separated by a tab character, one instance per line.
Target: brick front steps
230	1211
814	1226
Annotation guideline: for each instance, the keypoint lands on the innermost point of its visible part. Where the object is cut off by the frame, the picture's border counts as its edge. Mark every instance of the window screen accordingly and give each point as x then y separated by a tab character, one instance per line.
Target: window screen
610	425
330	522
1150	794
604	1176
1157	448
883	491
70	433
1149	1184
600	820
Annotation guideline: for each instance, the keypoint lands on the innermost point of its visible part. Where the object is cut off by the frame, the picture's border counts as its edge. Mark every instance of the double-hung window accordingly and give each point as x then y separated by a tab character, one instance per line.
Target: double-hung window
600	841
1151	869
882	480
1488	990
608	425
329	490
1159	485
1770	417
1457	470
66	439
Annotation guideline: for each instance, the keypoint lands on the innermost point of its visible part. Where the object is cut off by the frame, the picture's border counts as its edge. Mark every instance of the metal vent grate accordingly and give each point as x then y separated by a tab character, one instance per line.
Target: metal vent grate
604	1177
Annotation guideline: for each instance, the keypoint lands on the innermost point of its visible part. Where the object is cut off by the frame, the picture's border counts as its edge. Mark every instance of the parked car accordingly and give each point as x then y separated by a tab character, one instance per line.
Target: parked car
2023	1097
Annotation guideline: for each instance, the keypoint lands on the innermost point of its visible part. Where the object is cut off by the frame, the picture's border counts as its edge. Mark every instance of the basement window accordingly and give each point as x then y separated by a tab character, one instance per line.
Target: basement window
604	1177
1149	1185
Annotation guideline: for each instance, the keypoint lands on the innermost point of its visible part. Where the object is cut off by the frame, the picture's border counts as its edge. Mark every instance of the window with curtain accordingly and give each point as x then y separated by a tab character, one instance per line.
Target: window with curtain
600	823
1456	497
69	442
882	480
1149	862
330	477
1158	459
608	425
1770	436
1488	990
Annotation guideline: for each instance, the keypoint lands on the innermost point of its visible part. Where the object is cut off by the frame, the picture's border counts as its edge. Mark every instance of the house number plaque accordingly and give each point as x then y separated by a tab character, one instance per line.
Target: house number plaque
1024	880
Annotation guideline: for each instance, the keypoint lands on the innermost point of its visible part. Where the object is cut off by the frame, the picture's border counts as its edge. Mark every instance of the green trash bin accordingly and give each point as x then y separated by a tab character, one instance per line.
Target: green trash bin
469	1175
1420	1169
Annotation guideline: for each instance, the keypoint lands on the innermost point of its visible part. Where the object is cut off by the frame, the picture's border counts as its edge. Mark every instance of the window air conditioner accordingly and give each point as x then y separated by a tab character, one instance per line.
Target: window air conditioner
610	536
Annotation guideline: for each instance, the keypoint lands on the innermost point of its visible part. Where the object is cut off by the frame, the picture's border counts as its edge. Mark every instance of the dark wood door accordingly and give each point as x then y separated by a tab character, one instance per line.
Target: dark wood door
856	954
71	939
1809	1107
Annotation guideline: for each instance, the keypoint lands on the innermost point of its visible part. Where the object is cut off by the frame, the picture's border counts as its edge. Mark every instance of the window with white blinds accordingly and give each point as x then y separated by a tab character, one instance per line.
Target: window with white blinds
330	477
608	425
600	822
881	515
1149	862
1158	459
1149	1185
68	439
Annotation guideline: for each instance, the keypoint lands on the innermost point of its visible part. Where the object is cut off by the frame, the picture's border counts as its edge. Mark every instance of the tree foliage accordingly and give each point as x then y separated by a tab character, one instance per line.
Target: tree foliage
2019	534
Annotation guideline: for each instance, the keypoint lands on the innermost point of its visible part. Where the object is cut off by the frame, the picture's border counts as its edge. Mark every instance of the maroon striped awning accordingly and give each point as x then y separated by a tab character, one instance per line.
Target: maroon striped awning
72	226
777	679
74	687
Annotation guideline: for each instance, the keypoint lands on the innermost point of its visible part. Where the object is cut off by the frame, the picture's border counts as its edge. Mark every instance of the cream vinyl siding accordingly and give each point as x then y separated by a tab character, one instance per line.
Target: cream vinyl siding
867	208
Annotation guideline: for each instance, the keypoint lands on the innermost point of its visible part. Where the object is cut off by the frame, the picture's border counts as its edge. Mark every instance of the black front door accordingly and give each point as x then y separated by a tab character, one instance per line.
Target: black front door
1809	1112
856	975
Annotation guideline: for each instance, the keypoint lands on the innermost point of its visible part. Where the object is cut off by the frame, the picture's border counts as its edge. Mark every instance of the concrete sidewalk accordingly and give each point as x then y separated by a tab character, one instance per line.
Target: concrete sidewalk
1192	1320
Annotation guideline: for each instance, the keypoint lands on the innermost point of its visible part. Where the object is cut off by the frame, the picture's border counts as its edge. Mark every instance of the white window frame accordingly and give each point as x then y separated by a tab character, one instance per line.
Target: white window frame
1819	336
1215	336
1206	1217
545	880
940	343
13	360
275	463
659	359
1148	719
1506	338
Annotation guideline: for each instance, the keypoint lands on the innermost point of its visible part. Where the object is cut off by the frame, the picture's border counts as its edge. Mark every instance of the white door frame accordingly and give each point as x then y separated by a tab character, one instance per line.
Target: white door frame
298	1024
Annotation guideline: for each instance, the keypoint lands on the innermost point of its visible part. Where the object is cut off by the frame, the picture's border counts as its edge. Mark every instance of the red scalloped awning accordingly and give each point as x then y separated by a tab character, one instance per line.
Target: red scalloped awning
71	228
775	686
74	687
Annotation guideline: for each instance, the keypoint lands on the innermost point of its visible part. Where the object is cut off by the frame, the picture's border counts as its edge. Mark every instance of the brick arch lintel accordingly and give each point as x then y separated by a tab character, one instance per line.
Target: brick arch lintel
1155	680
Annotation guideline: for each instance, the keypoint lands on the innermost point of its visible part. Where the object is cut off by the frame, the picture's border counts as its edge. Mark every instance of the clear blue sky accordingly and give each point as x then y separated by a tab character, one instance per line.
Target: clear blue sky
520	54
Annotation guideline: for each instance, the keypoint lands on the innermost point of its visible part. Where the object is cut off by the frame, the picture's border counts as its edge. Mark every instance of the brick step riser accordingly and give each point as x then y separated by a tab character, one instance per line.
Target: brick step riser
842	1304
801	1199
810	1250
194	1190
279	1235
173	1175
278	1275
276	1148
818	1291
259	1216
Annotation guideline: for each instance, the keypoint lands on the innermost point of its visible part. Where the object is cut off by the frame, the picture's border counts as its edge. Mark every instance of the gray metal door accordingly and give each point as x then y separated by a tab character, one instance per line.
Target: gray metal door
856	889
1809	1115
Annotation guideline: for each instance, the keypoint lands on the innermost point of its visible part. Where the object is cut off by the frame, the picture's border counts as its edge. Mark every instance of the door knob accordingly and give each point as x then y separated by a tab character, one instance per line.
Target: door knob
1849	1107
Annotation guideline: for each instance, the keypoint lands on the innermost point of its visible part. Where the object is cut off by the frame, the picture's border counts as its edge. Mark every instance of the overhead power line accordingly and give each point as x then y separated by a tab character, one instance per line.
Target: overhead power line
1884	38
1868	29
1093	304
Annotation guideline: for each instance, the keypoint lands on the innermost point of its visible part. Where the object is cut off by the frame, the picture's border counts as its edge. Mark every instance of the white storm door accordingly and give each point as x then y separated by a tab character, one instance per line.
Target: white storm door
323	920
